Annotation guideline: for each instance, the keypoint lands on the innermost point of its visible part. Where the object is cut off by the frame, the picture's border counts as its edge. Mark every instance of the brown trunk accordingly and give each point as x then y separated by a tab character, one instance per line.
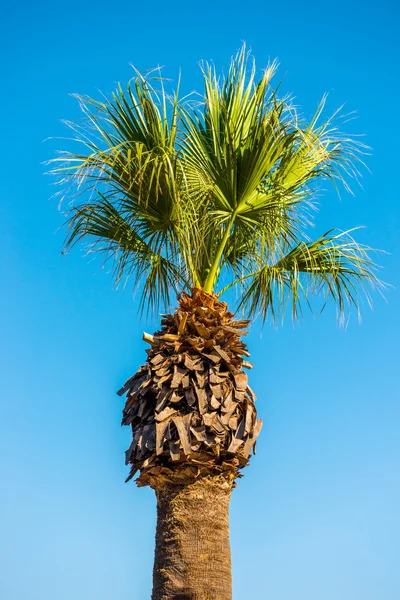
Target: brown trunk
192	556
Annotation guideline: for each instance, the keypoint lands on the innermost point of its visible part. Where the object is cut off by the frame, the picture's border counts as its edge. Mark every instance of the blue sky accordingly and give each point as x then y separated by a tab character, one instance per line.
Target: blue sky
316	516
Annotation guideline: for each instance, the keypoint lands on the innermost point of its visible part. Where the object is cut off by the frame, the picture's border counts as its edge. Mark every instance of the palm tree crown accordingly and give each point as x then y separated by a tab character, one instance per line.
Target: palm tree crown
214	193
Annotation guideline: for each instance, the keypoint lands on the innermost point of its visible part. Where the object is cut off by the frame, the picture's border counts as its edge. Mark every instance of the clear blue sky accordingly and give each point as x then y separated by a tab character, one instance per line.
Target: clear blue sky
317	515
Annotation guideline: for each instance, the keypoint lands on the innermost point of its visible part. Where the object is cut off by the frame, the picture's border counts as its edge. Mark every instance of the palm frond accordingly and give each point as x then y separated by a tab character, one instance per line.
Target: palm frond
260	163
108	232
132	174
333	265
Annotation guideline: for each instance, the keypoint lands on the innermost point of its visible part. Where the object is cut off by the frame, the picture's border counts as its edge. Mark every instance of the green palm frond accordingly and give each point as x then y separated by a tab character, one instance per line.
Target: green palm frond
181	193
122	242
333	265
259	162
136	185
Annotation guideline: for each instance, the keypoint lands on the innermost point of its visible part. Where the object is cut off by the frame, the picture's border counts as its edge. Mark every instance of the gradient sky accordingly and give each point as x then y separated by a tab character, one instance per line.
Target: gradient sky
316	516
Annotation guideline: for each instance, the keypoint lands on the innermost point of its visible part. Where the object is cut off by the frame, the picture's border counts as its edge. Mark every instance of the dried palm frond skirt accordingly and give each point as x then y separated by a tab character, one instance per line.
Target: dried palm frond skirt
190	406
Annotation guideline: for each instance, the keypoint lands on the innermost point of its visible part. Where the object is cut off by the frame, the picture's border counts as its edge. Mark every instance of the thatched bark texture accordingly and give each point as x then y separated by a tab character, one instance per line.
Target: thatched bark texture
192	556
191	404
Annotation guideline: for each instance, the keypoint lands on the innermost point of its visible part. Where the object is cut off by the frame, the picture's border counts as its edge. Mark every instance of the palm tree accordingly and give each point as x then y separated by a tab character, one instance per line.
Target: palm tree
193	197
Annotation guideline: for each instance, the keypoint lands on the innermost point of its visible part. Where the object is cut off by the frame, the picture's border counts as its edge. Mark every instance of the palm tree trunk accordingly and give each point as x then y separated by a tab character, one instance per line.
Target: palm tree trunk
194	424
192	556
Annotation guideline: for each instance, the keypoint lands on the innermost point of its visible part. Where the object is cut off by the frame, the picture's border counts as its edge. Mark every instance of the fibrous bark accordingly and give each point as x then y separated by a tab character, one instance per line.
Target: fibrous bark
192	557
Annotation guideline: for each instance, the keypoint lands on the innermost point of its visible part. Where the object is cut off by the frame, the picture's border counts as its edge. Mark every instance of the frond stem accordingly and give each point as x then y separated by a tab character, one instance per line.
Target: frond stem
212	276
